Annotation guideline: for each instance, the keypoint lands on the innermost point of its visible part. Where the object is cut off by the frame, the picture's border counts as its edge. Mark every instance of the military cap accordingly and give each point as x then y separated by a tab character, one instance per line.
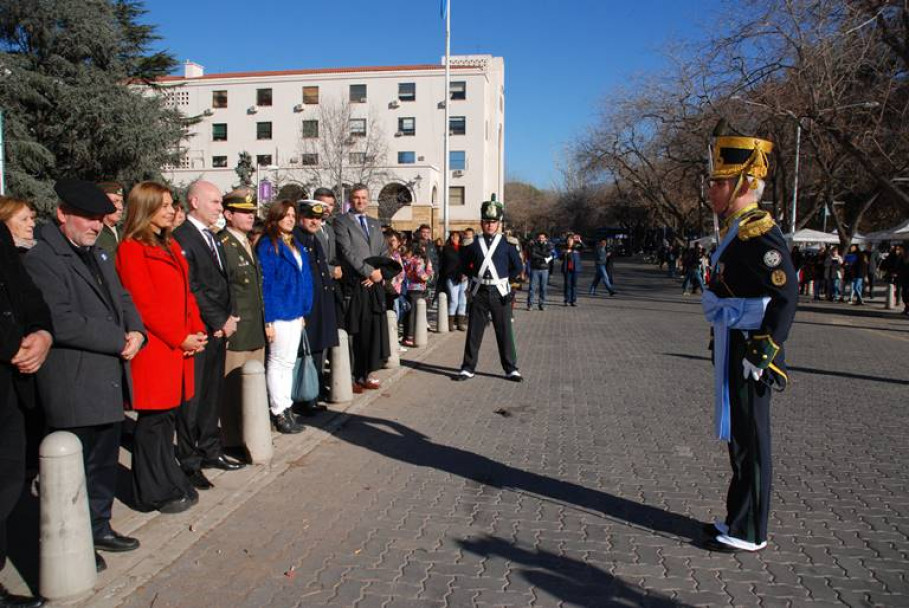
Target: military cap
735	156
240	199
111	187
83	196
387	266
492	210
312	209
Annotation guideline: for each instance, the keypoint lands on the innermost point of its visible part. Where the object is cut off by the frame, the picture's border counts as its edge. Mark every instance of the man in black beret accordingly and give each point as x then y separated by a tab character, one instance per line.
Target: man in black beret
86	378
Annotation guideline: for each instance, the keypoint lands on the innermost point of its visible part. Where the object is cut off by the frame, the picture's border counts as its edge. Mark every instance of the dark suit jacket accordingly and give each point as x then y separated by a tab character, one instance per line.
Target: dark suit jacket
22	311
84	381
353	246
206	280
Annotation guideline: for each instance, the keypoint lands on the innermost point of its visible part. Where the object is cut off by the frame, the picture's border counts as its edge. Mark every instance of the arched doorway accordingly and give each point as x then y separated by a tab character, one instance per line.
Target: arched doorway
391	198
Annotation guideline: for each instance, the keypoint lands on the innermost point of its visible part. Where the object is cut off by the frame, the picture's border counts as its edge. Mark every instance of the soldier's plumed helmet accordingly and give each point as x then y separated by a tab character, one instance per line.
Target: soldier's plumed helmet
734	156
492	210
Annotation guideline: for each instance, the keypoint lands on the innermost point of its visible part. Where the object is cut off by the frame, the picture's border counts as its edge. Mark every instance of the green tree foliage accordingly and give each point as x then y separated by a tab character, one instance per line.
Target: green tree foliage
66	69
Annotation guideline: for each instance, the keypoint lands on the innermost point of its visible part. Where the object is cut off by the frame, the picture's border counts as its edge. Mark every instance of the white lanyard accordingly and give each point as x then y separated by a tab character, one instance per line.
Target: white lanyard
501	284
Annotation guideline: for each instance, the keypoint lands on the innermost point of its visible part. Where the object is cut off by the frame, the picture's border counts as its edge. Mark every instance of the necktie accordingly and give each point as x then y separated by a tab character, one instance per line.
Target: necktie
210	238
363	225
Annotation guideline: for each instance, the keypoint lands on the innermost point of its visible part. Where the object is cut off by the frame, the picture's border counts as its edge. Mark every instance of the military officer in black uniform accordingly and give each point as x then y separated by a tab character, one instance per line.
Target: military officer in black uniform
491	264
751	303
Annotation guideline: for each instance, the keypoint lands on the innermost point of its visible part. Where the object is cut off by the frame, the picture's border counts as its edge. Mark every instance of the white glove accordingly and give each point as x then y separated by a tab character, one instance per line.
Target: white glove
749	369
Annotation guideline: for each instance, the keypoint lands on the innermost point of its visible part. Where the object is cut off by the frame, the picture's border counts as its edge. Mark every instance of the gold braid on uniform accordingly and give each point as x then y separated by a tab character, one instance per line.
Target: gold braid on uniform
755	224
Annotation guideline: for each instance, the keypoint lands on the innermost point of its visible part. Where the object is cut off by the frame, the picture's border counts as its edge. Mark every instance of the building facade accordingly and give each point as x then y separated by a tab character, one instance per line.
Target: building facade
382	126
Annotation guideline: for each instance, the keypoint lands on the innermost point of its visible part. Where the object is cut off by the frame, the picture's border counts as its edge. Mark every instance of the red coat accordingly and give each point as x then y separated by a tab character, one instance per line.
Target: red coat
159	285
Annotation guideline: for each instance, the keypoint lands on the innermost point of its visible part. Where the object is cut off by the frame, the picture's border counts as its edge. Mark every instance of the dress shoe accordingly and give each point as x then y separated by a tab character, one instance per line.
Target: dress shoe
200	481
358	388
464	375
100	564
8	600
286	424
222	462
115	542
715	546
372	384
515	376
178	505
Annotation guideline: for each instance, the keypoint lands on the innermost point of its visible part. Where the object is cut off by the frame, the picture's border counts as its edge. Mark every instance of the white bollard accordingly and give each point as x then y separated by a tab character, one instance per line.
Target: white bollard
891	296
67	553
421	324
256	422
442	316
339	358
811	289
394	359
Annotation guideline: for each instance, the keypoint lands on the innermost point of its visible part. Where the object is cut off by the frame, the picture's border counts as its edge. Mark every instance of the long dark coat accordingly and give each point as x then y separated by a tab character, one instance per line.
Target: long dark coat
321	323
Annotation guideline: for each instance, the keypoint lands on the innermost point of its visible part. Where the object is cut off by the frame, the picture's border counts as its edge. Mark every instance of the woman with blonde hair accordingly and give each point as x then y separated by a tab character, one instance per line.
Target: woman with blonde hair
287	293
19	216
152	269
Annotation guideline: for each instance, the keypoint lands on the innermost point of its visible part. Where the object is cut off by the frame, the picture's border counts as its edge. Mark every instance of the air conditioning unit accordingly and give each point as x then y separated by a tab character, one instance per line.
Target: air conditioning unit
252	109
394	104
294	161
399	133
421	158
299	107
457	173
208	112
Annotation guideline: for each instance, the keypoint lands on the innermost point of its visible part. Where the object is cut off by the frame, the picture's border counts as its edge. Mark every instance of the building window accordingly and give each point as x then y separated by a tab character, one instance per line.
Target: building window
407	158
309	160
456	195
458	90
358	93
407	126
218	162
311	95
263	159
219	131
263	97
357	159
219	99
310	128
407	91
457	160
457	125
358	127
263	130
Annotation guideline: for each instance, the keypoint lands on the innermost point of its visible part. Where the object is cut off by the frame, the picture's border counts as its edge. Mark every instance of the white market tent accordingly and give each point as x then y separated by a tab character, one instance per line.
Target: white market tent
900	233
806	235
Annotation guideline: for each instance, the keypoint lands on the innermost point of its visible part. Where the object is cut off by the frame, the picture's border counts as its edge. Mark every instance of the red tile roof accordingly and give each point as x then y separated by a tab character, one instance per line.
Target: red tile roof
383	68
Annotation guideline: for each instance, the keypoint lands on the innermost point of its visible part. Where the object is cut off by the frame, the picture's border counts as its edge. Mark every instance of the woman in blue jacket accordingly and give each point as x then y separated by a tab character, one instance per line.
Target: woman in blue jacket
287	293
571	268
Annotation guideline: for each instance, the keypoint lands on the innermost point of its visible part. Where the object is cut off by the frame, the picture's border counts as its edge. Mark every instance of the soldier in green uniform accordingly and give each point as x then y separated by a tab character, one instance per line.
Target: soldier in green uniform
751	304
109	237
245	279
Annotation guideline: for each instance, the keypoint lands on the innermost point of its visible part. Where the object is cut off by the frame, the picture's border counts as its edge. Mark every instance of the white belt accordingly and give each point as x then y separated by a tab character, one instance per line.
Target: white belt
491	282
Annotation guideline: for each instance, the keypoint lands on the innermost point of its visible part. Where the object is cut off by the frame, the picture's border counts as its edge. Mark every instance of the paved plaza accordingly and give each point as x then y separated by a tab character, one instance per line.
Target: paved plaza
583	486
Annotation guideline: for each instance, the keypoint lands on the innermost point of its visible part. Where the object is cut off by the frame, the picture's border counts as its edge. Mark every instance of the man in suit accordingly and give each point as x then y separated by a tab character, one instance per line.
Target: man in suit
86	378
198	439
109	237
245	279
25	341
359	237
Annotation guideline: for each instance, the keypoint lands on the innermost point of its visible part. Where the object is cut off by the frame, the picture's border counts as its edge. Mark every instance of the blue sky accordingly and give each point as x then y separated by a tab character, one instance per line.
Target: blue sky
562	57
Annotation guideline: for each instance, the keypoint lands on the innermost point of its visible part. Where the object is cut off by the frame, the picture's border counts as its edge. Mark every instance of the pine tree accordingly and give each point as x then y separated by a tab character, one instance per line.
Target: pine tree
66	69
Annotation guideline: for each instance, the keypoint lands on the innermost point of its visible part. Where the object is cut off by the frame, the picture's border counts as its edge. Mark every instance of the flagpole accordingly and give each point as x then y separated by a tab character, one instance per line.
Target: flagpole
446	174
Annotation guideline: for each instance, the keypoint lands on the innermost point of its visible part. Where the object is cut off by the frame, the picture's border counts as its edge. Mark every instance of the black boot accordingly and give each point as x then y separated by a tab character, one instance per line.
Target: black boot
286	423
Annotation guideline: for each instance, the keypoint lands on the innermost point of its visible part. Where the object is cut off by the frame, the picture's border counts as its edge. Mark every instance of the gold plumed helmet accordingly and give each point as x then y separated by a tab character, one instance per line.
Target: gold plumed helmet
736	156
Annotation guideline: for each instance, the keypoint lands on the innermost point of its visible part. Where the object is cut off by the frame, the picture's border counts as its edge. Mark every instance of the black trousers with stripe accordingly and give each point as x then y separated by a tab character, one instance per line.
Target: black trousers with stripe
748	498
489	303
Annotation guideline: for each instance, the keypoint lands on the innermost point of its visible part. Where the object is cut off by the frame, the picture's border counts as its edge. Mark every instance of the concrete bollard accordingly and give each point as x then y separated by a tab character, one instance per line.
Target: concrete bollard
394	359
339	361
811	289
421	324
891	296
67	554
442	317
256	422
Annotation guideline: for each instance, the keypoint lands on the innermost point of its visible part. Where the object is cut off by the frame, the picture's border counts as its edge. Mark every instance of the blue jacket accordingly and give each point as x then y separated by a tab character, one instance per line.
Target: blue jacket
286	288
575	256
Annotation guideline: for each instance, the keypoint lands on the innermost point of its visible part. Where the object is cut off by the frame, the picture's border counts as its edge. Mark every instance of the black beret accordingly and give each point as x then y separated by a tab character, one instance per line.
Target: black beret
390	268
83	196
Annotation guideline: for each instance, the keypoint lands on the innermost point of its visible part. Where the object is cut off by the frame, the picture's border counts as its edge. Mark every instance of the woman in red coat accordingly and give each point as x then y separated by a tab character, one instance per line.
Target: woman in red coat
152	269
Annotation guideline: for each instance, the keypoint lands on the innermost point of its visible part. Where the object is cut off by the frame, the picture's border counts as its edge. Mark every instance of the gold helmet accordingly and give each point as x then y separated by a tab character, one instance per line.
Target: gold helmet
735	156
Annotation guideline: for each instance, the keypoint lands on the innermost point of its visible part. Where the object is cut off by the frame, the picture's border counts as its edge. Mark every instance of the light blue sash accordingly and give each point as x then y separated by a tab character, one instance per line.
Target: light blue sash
726	314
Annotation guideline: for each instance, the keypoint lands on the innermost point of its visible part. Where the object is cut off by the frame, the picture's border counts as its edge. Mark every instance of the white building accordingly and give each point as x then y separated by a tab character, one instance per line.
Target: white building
319	127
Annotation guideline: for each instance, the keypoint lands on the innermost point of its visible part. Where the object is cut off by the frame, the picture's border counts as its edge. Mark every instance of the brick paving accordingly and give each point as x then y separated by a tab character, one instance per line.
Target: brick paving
583	486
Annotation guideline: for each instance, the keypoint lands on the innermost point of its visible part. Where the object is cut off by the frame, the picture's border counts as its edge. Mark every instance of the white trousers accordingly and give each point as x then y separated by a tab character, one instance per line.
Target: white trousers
279	366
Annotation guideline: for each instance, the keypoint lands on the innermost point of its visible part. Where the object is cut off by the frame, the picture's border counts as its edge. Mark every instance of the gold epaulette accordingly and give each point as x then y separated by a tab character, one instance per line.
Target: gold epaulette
513	240
754	224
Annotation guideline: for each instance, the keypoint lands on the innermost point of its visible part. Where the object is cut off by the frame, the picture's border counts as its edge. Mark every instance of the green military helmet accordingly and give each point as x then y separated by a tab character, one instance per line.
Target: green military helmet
492	210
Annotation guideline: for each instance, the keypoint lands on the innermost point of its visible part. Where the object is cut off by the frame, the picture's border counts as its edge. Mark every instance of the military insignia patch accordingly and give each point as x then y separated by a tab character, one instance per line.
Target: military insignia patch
773	258
778	277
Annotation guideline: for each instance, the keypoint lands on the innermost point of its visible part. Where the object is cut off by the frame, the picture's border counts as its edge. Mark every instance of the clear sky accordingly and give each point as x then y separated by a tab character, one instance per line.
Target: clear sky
562	57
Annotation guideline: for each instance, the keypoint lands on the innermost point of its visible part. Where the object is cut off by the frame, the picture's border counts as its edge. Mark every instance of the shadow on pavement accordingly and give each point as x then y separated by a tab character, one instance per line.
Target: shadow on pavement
395	440
841	326
849	311
806	370
438	370
570	580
